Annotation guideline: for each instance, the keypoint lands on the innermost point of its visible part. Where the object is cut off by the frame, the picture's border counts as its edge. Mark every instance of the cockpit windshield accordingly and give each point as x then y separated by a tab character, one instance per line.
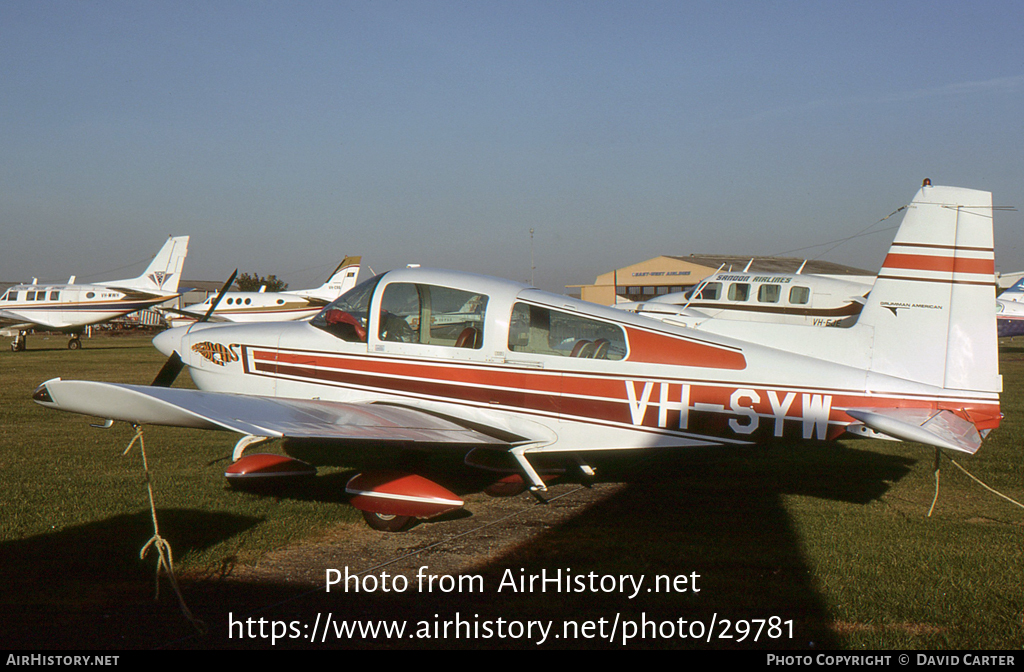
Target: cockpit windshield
355	303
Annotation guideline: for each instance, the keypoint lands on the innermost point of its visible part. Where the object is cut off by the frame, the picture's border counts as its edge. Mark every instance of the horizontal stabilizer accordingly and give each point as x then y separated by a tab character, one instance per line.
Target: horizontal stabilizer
214	317
258	416
944	429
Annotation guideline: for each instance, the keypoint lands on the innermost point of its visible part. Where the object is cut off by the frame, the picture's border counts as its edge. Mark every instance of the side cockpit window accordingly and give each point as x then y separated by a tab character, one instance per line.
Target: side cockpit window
711	291
432	315
540	330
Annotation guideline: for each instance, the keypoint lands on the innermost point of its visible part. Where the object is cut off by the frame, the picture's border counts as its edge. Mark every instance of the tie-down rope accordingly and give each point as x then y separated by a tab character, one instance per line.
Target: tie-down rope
163	548
938	455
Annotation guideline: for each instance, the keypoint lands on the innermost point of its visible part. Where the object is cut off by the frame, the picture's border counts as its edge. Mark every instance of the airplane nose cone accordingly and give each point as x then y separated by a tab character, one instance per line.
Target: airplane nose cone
170	340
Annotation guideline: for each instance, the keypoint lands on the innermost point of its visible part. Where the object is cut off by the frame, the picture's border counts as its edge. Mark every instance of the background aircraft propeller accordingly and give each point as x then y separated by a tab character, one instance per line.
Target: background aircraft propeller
173	366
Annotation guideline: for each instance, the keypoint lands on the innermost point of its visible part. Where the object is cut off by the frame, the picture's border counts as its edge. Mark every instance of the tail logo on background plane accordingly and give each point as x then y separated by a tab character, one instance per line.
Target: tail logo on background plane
158	277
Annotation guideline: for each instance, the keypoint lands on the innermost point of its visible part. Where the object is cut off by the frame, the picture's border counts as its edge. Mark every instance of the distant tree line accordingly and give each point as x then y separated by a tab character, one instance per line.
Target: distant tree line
251	282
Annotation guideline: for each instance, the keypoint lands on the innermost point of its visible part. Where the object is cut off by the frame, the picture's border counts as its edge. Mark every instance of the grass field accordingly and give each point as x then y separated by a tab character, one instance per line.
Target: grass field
836	536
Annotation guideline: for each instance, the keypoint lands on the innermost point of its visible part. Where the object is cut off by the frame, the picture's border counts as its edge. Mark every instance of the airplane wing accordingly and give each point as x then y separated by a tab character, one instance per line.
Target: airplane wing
254	415
11	320
935	428
137	294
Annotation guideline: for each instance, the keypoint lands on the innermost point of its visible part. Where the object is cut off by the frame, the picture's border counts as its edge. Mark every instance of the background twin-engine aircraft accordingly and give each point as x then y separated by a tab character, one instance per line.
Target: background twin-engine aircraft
71	307
754	296
791	298
261	306
427	360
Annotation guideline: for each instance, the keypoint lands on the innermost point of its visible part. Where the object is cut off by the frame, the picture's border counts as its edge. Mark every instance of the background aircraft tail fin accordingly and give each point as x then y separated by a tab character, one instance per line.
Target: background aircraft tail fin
342	279
163	273
932	310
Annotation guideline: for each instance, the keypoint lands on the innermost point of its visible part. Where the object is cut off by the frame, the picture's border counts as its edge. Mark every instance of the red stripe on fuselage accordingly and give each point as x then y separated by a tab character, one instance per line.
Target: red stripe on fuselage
709	405
653	348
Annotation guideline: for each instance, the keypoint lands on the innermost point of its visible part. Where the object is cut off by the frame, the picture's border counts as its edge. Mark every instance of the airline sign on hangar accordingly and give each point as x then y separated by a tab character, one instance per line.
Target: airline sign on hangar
652	274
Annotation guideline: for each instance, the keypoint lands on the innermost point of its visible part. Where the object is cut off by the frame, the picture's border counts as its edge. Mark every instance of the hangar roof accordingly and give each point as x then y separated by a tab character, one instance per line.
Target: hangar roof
772	264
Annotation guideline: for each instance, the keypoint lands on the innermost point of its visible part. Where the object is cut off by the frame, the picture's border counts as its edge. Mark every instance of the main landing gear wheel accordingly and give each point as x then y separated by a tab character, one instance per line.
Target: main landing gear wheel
387	523
74	344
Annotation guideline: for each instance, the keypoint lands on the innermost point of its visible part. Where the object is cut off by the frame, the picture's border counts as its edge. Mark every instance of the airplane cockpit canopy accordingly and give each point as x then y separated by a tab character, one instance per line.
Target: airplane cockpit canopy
355	303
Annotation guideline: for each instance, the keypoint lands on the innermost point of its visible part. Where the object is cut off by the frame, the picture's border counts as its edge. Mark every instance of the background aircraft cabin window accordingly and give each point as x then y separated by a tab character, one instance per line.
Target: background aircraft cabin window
711	291
552	332
434	315
356	304
11	295
800	295
90	295
54	296
769	293
739	291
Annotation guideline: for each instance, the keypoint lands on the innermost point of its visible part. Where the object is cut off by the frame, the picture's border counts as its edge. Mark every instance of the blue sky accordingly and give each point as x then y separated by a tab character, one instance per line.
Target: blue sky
283	135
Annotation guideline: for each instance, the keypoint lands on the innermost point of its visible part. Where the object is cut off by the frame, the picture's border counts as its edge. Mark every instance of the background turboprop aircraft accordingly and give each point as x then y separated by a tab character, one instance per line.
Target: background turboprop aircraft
71	307
521	374
787	298
298	304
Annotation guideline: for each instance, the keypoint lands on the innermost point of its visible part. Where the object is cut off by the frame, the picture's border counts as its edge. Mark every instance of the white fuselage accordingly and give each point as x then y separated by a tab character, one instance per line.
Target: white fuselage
71	307
653	384
254	307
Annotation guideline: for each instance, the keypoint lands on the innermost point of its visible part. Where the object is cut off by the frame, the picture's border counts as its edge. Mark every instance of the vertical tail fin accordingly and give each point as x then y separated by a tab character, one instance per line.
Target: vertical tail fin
342	279
163	273
932	309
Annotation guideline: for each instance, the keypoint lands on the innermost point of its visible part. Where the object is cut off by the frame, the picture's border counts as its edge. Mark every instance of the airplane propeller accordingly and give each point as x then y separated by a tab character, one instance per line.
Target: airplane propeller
173	366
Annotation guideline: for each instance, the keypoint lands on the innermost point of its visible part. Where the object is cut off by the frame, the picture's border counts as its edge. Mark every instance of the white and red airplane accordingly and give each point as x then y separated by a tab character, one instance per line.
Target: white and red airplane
524	374
261	306
71	306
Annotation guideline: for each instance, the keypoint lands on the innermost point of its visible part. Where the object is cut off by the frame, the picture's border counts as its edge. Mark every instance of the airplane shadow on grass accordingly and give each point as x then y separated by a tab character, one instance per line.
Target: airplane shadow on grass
719	514
85	586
